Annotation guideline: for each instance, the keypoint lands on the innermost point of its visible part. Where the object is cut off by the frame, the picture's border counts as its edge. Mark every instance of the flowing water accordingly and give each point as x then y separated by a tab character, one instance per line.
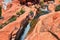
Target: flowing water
29	27
25	32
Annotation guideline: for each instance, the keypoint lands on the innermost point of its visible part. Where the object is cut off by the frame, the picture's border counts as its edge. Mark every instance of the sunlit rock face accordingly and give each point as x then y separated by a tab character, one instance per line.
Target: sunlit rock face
48	22
1	2
7	30
51	7
57	1
9	5
12	4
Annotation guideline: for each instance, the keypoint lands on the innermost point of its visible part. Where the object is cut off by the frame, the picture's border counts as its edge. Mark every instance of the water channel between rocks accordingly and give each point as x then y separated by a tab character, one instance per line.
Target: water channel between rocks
25	32
29	28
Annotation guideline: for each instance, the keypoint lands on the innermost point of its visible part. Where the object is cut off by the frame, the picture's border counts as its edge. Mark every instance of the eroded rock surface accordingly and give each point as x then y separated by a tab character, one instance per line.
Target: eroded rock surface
45	29
47	25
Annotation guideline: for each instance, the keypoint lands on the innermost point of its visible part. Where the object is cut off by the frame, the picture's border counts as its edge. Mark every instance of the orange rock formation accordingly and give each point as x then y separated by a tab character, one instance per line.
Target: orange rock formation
48	22
8	29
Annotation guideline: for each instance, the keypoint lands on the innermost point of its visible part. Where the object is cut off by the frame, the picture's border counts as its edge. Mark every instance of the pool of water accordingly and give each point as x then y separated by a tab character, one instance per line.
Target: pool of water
25	32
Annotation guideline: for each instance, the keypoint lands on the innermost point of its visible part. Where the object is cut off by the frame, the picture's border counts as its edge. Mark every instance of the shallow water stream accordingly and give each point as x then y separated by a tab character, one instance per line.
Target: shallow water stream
25	32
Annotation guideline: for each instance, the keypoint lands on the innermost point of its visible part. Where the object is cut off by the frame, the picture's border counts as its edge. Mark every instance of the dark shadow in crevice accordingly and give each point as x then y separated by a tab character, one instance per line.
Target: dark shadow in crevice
54	35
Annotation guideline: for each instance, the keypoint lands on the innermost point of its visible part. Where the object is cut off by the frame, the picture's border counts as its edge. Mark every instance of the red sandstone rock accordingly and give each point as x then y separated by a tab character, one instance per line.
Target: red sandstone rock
51	7
47	22
16	24
50	20
11	27
57	1
9	5
1	2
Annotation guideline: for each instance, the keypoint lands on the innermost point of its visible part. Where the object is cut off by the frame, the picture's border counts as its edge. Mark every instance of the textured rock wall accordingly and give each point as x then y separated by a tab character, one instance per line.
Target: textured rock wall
47	23
1	2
